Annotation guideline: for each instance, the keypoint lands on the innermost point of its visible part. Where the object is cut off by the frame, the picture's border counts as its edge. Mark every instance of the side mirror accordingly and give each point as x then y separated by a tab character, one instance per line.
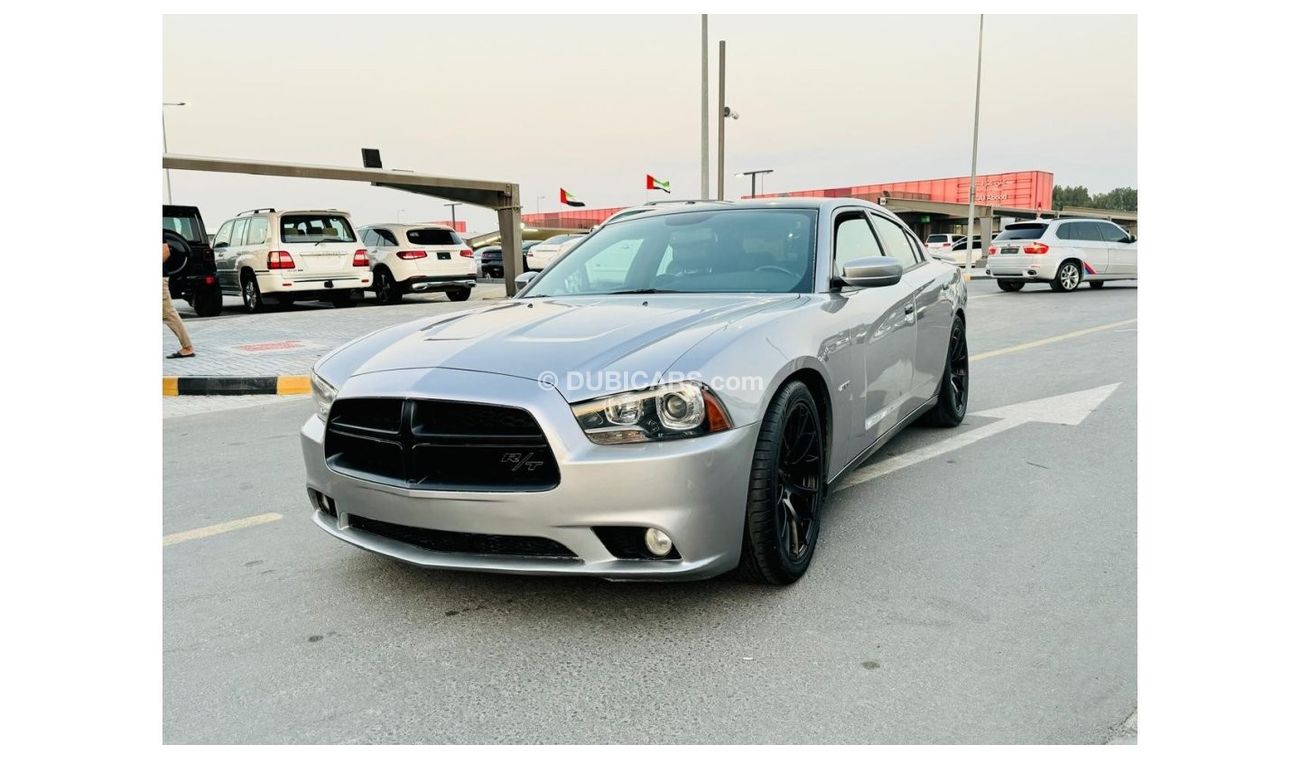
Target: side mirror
220	245
872	272
524	279
1130	239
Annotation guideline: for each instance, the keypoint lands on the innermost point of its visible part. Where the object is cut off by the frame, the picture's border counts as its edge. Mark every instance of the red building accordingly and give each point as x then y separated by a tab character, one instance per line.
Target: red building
1031	190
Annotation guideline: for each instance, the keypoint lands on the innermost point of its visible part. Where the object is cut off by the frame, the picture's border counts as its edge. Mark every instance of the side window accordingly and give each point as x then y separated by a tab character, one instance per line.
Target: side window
223	235
368	238
1067	231
1111	232
237	233
385	237
895	240
257	231
853	240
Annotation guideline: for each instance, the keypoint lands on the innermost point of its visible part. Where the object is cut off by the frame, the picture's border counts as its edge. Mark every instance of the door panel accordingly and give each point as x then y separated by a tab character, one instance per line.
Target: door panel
931	284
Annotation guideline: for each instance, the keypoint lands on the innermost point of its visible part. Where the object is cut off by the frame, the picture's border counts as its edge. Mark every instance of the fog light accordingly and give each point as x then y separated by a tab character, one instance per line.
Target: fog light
658	542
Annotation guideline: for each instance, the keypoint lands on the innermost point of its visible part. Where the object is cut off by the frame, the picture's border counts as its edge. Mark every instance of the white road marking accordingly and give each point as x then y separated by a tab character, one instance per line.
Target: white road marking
1066	409
1053	339
225	527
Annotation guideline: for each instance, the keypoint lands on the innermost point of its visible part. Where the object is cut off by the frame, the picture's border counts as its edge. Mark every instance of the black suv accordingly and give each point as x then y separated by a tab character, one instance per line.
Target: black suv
191	269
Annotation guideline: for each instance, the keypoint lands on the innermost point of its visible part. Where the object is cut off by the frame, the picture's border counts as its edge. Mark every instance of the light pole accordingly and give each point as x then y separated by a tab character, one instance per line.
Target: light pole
168	172
704	106
753	179
724	113
974	149
453	206
539	203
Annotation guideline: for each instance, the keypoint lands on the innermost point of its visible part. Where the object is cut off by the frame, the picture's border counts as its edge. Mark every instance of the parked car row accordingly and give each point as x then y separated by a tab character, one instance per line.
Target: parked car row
267	256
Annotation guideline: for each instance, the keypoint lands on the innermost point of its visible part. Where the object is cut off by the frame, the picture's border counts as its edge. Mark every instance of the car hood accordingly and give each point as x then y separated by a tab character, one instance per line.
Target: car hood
586	347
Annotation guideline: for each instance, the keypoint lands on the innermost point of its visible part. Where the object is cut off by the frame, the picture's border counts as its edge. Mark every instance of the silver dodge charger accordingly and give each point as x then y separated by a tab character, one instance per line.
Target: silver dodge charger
674	397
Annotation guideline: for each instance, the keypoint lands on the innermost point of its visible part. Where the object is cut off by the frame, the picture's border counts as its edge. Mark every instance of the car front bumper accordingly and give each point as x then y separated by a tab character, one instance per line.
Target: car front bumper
694	490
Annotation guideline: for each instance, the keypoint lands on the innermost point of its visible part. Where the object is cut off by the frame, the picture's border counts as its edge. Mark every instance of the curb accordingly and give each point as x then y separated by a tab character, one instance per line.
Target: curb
280	385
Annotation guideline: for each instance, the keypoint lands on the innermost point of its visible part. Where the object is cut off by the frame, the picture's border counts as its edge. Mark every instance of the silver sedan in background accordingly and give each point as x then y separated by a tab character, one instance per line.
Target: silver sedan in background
673	397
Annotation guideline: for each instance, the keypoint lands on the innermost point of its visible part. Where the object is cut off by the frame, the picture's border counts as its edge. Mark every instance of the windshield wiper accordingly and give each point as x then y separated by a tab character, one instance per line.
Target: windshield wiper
633	292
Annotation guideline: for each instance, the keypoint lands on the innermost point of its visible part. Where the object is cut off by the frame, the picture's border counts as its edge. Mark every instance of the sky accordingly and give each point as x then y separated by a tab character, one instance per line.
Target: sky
594	103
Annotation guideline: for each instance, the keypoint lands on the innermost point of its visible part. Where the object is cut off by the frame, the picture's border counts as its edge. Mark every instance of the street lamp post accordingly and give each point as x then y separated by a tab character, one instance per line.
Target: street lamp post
168	172
539	203
753	179
453	206
704	106
724	113
974	150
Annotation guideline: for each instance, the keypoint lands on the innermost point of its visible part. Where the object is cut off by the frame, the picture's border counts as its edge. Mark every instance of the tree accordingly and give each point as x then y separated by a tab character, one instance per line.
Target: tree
1070	195
1119	199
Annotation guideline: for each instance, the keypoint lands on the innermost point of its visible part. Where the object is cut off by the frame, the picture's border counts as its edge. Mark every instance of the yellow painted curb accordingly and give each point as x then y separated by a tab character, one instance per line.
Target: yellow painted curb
170	387
287	385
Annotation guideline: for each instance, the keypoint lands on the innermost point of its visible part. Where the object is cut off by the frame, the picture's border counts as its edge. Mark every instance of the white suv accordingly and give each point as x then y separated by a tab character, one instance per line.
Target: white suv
545	252
419	258
290	255
1063	253
940	242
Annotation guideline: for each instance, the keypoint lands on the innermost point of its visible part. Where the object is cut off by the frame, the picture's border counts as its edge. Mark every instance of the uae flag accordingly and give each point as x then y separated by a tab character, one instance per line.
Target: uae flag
567	198
656	184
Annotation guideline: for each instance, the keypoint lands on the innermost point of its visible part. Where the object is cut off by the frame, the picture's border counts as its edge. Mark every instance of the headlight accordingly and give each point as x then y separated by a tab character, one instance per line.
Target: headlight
323	394
676	410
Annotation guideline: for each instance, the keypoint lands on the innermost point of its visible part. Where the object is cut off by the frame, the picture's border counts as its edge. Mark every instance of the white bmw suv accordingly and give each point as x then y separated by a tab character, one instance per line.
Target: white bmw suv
290	255
419	258
1063	253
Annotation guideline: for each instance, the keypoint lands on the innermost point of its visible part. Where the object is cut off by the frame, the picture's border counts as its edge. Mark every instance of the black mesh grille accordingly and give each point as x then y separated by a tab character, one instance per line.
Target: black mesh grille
439	445
464	543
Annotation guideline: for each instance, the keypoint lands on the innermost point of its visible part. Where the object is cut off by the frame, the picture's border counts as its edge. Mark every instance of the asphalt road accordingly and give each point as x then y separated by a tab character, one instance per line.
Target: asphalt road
985	595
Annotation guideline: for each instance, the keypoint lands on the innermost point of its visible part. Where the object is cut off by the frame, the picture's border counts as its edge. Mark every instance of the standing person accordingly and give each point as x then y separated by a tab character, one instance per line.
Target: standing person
171	318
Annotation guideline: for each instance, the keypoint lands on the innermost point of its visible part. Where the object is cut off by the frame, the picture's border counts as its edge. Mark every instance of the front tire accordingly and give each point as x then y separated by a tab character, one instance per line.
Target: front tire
787	485
458	294
1068	276
954	387
1010	286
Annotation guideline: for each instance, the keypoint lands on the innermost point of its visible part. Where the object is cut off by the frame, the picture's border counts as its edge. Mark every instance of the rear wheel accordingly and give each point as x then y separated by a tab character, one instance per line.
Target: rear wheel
207	300
458	294
1010	286
787	485
954	387
251	294
1096	284
1068	276
387	291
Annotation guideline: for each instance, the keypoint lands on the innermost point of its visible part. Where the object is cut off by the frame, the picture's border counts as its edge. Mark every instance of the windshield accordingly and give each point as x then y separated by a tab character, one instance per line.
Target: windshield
1022	232
315	228
432	236
716	251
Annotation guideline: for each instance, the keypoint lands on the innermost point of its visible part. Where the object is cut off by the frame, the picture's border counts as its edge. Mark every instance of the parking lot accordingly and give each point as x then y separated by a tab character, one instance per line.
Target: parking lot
971	585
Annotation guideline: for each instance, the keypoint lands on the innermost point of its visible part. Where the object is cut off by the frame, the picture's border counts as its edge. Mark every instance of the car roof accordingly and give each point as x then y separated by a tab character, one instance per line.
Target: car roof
405	226
818	202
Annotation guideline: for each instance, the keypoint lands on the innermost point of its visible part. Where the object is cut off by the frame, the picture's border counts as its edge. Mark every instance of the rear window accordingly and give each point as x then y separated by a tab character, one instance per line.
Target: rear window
1022	232
937	239
316	228
432	237
185	226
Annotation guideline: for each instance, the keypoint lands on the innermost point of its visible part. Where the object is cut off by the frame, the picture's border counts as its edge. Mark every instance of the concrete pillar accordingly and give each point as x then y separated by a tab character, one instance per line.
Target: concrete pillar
512	255
986	232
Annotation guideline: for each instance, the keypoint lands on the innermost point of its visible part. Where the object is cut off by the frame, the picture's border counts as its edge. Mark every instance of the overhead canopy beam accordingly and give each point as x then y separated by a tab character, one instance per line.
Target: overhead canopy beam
502	197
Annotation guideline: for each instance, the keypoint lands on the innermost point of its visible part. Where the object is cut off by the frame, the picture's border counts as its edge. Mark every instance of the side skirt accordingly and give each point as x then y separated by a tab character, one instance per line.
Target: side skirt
903	424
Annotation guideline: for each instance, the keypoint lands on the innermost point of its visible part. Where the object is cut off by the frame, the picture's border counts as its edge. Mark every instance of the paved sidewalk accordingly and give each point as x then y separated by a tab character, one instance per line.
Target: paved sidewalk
289	341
